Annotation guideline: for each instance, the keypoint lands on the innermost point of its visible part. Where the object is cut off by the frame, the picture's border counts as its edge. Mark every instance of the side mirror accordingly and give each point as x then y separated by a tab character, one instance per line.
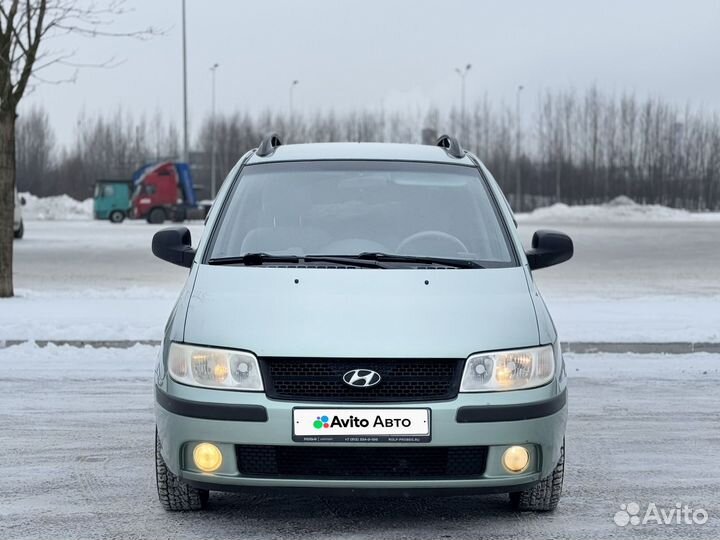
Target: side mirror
549	248
23	202
174	245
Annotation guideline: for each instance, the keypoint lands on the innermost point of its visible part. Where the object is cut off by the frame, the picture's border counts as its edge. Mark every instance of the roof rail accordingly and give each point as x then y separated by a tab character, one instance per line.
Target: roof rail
451	146
268	145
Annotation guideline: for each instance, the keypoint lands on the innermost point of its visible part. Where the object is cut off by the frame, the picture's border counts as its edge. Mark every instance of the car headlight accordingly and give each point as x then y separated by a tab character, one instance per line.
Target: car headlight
508	370
214	368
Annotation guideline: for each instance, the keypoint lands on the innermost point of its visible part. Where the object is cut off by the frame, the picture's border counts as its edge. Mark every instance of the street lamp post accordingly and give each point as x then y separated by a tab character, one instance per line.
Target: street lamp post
462	73
186	155
290	106
213	149
518	133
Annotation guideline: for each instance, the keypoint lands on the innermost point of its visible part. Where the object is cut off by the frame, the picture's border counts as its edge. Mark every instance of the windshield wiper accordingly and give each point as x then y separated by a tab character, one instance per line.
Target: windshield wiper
414	259
344	260
366	259
257	259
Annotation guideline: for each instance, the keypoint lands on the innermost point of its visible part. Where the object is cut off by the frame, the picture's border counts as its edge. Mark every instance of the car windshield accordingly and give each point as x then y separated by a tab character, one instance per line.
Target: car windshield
349	208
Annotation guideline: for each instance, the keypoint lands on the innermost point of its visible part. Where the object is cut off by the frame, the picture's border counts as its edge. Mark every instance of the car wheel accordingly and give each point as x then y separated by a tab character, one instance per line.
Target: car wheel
179	215
175	495
20	232
544	496
117	216
156	216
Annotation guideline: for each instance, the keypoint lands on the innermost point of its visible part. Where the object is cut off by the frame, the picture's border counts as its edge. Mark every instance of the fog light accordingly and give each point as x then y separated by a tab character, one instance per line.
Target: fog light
516	459
207	457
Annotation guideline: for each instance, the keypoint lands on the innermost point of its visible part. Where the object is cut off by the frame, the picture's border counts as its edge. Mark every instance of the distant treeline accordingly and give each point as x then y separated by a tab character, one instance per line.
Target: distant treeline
570	147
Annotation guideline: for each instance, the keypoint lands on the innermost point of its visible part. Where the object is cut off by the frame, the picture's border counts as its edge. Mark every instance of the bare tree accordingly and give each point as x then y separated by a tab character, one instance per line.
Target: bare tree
589	147
35	147
25	27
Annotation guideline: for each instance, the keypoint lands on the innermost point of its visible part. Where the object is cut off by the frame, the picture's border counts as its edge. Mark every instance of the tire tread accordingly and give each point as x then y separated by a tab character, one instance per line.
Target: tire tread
544	496
175	495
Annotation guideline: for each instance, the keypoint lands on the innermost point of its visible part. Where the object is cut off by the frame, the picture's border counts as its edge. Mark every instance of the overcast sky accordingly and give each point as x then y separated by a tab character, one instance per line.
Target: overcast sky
392	54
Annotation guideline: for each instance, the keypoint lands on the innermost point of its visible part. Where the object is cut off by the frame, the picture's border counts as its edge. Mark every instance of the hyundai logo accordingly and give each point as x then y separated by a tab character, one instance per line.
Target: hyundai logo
361	378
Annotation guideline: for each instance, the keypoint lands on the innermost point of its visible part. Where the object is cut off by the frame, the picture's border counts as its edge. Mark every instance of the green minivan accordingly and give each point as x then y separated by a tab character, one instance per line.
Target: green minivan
112	199
360	318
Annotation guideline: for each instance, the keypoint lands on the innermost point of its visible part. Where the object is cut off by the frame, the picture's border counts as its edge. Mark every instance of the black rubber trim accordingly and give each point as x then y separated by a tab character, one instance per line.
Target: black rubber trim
210	411
223	205
511	413
361	492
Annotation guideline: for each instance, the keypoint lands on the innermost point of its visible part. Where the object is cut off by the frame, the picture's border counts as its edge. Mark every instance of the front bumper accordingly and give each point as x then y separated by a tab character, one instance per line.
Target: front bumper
534	418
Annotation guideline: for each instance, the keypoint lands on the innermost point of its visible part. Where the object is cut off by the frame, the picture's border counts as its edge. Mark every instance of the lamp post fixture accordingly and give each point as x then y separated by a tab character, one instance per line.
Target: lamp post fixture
518	134
213	147
290	106
462	73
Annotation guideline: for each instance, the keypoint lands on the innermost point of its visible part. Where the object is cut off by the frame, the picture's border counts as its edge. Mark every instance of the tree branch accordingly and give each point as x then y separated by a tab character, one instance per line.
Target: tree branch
25	26
34	44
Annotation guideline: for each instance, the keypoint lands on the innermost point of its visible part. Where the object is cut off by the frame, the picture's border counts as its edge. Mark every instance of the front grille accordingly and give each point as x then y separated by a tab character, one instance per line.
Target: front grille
321	379
362	463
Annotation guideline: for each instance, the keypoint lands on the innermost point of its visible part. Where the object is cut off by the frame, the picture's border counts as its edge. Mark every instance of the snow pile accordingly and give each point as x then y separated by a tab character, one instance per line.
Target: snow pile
60	207
621	208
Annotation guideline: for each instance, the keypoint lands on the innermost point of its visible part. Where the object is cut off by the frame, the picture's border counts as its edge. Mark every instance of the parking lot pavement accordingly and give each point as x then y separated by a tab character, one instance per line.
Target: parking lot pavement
76	429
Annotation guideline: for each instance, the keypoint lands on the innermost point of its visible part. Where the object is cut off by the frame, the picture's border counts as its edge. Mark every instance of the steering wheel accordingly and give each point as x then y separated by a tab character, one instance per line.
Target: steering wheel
438	243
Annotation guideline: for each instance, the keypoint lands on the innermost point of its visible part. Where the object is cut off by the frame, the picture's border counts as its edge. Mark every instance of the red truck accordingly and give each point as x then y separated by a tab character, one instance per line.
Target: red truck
165	191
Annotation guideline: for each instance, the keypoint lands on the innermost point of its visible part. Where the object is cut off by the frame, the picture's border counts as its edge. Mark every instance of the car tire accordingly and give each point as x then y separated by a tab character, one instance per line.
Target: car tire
117	216
544	496
156	216
175	495
179	215
20	232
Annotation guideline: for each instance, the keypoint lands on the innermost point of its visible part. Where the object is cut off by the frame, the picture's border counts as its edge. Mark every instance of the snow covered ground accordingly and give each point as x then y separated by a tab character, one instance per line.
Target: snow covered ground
639	274
633	279
76	429
76	424
90	280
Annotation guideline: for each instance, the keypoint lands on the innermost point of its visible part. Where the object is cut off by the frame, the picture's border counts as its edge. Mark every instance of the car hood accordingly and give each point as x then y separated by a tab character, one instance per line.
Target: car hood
440	313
